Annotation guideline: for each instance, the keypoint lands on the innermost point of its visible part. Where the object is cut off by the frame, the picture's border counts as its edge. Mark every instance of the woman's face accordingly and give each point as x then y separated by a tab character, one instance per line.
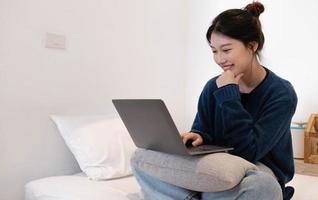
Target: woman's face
231	54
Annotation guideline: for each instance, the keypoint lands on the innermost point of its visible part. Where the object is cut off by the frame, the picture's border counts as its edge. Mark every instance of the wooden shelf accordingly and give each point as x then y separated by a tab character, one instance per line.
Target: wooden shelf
311	140
313	159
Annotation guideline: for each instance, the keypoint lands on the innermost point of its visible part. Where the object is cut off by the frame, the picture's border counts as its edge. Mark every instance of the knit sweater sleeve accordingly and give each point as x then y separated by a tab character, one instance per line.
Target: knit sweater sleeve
202	122
201	129
251	139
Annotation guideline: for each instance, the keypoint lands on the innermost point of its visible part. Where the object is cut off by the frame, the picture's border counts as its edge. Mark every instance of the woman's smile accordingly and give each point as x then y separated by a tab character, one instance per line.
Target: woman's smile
227	67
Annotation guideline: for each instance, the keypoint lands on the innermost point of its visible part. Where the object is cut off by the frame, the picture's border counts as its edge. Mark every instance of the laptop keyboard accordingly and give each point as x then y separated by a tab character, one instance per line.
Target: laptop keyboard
200	148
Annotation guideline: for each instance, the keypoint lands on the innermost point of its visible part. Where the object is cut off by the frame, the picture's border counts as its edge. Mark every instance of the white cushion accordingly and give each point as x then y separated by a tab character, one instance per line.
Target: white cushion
101	144
78	187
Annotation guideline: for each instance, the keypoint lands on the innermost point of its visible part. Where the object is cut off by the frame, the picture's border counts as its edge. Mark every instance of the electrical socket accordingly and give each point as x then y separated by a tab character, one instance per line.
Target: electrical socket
55	41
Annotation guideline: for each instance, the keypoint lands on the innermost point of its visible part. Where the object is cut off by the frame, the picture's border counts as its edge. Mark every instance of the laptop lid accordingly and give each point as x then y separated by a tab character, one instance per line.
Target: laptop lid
150	125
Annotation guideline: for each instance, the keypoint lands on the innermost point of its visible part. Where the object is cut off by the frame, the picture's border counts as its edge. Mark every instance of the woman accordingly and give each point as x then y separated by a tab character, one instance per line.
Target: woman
247	107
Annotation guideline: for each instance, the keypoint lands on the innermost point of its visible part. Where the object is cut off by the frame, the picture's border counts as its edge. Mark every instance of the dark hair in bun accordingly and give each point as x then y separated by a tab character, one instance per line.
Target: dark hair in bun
255	8
241	24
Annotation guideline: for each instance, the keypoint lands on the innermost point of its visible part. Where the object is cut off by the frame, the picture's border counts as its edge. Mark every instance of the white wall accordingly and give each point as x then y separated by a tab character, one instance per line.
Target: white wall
290	32
114	49
122	49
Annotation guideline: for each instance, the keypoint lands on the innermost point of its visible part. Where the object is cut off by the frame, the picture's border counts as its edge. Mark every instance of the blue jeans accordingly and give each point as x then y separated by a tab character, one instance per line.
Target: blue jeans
256	185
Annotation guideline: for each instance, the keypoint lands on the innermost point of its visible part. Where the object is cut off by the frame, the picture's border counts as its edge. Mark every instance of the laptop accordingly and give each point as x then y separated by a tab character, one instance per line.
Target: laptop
151	127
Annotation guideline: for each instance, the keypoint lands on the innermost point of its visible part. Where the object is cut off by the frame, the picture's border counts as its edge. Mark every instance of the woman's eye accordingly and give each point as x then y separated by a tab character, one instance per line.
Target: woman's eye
226	50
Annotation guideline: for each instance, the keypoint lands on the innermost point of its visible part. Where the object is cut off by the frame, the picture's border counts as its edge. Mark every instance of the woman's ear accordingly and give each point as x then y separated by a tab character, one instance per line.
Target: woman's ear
253	46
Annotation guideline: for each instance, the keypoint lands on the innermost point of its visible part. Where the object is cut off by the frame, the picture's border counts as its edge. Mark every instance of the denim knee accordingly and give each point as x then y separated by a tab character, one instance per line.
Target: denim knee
134	163
263	185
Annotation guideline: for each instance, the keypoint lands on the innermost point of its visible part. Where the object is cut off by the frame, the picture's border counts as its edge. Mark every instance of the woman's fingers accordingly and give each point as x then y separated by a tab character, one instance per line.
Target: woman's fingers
186	136
228	77
197	139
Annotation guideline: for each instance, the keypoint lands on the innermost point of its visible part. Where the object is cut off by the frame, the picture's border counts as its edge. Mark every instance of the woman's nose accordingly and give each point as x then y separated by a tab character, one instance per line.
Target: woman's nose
219	59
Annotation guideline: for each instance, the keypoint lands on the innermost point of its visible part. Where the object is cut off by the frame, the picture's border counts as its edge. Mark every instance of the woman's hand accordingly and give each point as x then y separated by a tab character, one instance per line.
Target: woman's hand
228	77
196	138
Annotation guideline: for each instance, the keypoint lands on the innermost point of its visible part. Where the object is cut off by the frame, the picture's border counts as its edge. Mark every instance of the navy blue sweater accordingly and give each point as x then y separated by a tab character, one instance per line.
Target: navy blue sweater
258	127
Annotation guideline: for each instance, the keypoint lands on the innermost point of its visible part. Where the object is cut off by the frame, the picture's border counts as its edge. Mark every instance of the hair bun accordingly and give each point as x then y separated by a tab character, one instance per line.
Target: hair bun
255	8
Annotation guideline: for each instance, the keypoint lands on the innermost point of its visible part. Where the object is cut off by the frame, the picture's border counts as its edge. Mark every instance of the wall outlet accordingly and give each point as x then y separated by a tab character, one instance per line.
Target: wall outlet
55	41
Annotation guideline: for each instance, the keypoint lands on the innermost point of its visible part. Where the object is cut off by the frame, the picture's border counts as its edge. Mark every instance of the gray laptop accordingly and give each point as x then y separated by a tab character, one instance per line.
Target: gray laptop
151	127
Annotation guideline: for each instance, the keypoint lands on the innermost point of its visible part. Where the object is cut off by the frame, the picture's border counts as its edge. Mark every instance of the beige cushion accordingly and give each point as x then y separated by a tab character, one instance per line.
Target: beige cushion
207	173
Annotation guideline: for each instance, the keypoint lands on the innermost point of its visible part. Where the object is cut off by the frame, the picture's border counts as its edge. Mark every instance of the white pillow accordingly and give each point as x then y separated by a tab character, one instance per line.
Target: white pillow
101	144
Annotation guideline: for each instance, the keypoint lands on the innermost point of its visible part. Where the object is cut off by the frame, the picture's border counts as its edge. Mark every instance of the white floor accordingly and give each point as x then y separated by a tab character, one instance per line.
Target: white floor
306	187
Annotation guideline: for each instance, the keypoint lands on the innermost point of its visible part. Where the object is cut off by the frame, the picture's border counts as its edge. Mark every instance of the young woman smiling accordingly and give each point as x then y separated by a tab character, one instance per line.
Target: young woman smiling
247	107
